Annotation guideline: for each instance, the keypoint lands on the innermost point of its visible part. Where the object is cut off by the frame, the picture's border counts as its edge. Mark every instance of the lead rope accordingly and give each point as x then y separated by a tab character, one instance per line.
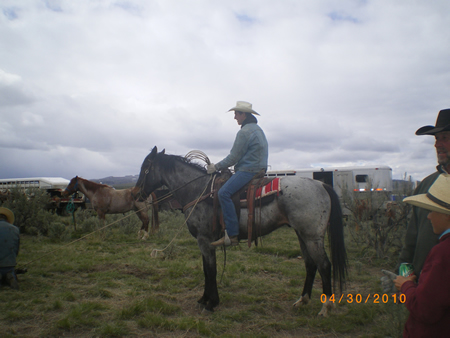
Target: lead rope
79	239
154	253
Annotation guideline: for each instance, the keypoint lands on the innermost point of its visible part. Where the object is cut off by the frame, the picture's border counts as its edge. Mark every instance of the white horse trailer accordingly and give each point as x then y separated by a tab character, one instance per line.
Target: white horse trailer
352	179
53	185
34	182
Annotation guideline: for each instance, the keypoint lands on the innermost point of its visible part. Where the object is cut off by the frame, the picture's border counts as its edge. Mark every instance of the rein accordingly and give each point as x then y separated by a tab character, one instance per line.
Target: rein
201	198
204	197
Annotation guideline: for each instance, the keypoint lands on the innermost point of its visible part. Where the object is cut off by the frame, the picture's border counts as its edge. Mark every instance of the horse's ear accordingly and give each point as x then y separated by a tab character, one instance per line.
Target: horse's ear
163	151
154	150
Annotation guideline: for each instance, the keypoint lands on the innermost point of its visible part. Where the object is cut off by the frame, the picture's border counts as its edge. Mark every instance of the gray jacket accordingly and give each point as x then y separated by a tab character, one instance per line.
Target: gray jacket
250	150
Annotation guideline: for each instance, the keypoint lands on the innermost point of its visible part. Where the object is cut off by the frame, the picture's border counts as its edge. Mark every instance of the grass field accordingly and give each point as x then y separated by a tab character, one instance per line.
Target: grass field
109	285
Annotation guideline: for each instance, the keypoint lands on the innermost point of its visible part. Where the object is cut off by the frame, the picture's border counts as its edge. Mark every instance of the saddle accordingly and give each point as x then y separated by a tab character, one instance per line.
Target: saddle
258	192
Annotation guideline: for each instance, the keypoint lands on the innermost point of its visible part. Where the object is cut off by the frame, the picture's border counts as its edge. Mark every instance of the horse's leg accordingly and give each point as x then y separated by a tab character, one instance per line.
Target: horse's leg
316	250
311	269
102	219
143	216
210	298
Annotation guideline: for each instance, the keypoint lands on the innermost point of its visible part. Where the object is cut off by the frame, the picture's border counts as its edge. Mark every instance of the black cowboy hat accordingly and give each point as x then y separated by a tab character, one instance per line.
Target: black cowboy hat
442	124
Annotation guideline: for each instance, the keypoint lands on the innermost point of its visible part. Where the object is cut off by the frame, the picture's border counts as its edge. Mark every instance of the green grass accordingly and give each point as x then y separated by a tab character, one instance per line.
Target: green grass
109	285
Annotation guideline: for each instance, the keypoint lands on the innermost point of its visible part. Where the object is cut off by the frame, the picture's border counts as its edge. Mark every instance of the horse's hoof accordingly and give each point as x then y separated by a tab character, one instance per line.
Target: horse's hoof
303	300
326	307
323	314
206	311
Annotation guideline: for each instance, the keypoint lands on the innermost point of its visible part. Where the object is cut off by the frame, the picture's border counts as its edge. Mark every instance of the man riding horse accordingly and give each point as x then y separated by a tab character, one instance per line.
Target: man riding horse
249	156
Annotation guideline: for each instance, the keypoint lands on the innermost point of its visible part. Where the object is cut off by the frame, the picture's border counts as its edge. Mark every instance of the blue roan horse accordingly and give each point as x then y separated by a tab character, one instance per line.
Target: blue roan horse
308	206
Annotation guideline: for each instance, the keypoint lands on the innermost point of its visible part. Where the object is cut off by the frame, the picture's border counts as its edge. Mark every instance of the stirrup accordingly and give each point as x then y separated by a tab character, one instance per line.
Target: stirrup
227	240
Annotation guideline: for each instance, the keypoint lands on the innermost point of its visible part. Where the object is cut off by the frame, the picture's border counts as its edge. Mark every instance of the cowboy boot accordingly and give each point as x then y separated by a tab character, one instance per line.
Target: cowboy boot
226	241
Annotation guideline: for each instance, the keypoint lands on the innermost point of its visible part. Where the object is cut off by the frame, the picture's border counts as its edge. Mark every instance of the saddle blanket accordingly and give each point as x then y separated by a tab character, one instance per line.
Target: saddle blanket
272	187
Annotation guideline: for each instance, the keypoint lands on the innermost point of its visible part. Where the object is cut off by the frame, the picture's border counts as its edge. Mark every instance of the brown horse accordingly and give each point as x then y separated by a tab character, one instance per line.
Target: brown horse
107	200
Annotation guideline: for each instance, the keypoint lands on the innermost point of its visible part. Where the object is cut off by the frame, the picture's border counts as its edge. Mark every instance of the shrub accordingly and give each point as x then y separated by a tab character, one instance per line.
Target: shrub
59	231
30	210
377	222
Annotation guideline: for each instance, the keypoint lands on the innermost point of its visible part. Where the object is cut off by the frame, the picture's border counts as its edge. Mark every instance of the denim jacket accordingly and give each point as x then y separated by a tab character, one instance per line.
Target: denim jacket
250	150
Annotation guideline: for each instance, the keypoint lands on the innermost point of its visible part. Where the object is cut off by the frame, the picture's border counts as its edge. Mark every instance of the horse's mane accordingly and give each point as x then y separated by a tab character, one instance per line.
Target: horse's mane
168	162
93	185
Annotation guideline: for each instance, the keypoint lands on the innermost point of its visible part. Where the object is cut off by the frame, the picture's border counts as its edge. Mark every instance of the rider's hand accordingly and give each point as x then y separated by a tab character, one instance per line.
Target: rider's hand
387	282
211	168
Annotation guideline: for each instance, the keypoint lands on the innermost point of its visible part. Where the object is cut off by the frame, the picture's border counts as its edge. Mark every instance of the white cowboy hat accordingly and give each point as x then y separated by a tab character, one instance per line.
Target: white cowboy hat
244	107
436	199
8	213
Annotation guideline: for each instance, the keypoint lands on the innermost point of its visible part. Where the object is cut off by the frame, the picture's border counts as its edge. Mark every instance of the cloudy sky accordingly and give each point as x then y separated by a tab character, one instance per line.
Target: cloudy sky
88	87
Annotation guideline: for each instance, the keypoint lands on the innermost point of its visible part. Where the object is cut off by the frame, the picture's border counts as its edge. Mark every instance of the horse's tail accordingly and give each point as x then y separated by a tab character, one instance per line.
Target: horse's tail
336	239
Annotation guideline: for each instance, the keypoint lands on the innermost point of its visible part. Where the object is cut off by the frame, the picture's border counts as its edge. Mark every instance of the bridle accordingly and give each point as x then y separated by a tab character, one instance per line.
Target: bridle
170	193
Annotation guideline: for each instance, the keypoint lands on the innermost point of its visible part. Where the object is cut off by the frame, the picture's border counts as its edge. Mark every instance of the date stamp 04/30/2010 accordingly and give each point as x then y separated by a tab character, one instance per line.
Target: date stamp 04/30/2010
375	298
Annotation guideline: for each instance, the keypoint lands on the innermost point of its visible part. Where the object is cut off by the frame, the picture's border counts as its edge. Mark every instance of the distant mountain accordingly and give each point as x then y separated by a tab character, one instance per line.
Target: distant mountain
118	182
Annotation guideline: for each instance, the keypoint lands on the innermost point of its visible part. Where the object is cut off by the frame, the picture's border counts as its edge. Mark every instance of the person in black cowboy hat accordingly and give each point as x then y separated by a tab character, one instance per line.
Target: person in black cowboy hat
9	248
419	237
428	302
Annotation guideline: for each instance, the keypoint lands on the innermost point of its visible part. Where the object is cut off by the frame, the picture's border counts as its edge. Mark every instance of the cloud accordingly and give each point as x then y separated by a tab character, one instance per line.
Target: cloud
13	91
93	86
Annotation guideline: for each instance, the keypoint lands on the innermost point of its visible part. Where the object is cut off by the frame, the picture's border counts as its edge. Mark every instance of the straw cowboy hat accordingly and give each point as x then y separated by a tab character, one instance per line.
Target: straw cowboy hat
244	107
442	124
8	213
436	199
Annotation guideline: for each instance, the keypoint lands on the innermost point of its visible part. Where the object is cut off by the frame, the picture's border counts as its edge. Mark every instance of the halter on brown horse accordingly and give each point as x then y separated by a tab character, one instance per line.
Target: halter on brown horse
107	200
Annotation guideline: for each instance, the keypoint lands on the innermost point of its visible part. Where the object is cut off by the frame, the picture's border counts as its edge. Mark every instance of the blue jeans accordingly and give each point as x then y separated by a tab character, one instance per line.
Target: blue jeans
233	185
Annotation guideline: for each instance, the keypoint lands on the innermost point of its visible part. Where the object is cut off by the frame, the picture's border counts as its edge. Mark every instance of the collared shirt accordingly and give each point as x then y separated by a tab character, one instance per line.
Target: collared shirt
444	233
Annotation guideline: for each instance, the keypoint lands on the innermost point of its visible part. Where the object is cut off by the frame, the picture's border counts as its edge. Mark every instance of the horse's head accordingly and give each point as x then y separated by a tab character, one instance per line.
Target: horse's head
71	188
149	177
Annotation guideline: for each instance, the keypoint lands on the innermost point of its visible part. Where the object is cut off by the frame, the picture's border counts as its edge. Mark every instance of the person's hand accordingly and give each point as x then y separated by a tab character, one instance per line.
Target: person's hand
211	168
400	280
387	282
